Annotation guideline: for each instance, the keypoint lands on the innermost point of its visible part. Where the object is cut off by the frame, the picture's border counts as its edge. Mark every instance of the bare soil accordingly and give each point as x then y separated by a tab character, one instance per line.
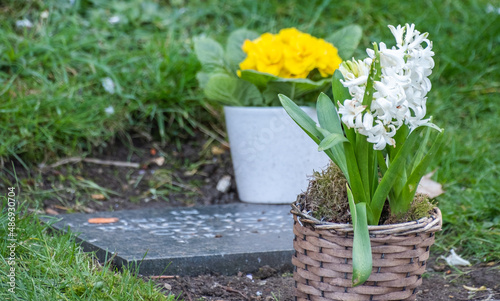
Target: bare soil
189	177
440	283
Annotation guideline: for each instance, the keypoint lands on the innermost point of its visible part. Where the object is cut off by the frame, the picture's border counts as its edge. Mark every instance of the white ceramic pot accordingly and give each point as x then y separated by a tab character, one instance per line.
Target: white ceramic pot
272	157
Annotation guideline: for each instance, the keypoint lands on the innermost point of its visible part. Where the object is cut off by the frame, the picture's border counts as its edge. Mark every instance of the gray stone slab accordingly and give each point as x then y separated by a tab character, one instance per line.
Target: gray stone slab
224	239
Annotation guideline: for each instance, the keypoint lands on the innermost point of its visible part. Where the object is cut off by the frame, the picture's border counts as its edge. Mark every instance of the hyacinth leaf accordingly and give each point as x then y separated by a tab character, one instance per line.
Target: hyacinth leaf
327	114
331	141
346	40
328	118
208	51
340	93
393	173
420	152
234	53
301	118
260	79
354	178
363	153
361	246
368	97
410	188
232	91
352	206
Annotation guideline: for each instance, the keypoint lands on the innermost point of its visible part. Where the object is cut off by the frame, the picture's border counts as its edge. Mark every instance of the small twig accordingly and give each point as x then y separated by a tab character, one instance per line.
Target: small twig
231	290
164	277
92	160
113	163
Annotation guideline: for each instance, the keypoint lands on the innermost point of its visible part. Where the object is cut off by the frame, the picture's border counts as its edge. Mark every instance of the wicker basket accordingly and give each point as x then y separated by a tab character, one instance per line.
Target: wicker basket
323	259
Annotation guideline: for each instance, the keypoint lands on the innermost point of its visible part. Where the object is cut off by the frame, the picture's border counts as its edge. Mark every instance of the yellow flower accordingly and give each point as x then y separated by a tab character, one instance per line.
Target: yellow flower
264	54
290	54
300	55
328	58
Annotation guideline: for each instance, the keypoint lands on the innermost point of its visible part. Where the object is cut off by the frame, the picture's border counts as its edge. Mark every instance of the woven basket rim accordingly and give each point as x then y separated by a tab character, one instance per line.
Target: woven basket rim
425	224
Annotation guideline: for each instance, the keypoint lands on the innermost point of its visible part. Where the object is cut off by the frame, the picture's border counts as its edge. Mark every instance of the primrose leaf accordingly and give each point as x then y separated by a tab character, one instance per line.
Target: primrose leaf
346	40
208	51
234	53
232	91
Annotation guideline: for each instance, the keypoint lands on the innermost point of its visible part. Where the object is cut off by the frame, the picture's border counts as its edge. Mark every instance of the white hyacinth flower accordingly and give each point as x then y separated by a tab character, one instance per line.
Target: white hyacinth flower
400	95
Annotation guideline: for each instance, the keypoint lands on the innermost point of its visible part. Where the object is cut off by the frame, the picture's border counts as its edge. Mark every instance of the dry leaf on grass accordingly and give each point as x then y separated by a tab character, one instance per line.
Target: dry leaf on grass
98	196
475	289
51	211
217	150
103	220
430	187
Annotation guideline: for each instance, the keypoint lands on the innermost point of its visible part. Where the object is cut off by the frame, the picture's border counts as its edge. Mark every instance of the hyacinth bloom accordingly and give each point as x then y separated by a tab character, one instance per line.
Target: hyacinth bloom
290	54
399	97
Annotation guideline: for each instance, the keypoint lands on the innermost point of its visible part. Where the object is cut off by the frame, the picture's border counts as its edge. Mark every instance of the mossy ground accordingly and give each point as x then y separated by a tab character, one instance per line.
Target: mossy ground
326	199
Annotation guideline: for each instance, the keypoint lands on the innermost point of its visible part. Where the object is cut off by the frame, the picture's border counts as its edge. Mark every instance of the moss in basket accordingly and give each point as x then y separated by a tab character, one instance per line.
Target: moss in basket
326	198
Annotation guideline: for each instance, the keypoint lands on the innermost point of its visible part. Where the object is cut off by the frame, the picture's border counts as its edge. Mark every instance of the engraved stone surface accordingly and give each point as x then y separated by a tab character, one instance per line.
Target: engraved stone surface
224	239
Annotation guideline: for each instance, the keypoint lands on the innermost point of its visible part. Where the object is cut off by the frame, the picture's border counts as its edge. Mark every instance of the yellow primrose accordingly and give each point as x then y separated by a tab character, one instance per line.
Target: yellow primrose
265	54
290	54
328	59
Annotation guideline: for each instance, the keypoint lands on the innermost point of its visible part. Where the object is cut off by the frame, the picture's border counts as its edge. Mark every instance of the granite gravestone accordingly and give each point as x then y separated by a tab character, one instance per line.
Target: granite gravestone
224	239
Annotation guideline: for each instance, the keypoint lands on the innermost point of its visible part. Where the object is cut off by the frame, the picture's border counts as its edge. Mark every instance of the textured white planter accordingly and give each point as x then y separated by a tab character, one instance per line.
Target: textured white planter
272	157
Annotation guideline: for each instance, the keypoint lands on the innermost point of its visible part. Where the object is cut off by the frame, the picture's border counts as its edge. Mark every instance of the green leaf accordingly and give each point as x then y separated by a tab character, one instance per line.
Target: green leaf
232	91
346	40
362	157
352	206
294	88
361	248
234	53
393	173
410	187
260	79
368	97
203	78
301	118
340	93
208	51
329	119
331	140
354	175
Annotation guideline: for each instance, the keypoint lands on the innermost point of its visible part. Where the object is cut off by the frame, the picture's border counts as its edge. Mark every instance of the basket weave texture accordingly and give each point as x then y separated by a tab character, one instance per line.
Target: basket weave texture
323	259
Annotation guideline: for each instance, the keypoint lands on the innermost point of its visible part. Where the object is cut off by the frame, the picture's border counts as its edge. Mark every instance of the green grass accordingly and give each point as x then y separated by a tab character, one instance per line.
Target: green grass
52	100
52	267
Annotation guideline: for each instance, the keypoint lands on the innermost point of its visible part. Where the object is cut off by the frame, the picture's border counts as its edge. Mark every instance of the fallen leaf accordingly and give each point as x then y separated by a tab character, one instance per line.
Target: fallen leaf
61	207
430	187
98	196
475	289
88	210
224	184
159	161
455	260
103	220
217	150
51	211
